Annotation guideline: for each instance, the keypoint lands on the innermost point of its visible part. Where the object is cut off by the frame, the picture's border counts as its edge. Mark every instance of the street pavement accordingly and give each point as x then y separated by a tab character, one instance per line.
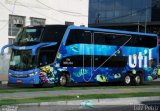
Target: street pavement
95	108
18	95
114	104
71	108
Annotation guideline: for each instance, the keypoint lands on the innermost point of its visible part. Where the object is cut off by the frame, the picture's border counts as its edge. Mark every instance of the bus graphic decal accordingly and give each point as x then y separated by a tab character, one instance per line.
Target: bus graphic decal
61	54
141	58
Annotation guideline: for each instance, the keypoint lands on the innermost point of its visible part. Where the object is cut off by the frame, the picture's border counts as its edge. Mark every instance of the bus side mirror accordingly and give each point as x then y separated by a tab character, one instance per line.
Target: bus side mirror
4	47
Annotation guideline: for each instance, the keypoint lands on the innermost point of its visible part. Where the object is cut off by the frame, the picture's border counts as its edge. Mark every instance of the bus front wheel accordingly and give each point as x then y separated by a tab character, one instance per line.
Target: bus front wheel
137	79
63	80
38	85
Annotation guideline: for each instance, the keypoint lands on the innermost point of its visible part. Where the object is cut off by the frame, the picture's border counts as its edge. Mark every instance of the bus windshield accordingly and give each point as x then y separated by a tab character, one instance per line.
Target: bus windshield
22	60
29	34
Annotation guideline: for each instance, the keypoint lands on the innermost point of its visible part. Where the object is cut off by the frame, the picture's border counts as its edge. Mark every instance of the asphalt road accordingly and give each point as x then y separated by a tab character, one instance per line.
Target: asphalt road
73	108
142	107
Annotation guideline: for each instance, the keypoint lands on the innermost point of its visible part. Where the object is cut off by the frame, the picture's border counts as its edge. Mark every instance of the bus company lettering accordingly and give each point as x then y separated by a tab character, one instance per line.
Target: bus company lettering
142	59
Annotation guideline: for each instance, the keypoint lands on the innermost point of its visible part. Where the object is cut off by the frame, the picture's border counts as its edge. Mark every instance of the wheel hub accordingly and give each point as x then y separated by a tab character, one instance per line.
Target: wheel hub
63	80
127	79
137	79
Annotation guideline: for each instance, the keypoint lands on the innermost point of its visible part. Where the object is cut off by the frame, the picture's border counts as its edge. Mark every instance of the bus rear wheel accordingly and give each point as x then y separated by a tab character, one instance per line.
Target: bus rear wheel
137	79
127	80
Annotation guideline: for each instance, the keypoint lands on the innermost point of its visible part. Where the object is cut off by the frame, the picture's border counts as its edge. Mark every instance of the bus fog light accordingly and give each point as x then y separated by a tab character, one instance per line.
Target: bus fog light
36	72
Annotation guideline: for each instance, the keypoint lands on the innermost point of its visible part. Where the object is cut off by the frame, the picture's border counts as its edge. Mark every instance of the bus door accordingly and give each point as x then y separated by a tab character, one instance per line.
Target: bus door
99	56
88	51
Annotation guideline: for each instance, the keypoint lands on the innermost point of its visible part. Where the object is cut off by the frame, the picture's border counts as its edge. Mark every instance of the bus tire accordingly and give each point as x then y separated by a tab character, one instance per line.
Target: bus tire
38	85
127	80
137	79
102	83
63	80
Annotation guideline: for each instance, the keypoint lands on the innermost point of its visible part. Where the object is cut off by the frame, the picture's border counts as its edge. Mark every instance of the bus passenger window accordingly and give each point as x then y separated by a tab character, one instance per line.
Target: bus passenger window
78	36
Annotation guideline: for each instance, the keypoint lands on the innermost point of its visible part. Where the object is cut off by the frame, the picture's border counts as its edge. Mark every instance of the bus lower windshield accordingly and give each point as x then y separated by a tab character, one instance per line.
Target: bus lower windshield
22	60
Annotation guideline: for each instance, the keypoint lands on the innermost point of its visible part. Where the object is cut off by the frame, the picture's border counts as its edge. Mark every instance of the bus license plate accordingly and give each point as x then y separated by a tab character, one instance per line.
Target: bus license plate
19	81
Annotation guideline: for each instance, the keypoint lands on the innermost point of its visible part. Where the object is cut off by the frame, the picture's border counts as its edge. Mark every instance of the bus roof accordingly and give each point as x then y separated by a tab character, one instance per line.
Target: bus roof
101	29
110	30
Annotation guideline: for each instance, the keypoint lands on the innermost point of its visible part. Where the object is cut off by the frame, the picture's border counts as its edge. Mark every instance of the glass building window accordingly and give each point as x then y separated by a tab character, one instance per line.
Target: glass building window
156	10
13	21
120	11
37	21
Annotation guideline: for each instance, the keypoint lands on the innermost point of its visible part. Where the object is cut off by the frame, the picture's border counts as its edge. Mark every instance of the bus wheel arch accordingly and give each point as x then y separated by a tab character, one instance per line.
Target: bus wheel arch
64	78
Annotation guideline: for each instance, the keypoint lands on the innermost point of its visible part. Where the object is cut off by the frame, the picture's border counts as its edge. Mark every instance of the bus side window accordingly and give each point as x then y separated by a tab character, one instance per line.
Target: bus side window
41	58
100	38
46	56
72	37
53	34
78	36
121	39
86	37
44	59
143	41
108	38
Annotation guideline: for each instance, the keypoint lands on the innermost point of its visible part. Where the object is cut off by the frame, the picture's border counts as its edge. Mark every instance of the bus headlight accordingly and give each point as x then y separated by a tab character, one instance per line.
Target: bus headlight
32	74
10	74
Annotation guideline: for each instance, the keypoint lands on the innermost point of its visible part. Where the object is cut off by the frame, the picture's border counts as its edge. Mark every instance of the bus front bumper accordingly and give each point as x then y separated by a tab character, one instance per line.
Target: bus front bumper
28	80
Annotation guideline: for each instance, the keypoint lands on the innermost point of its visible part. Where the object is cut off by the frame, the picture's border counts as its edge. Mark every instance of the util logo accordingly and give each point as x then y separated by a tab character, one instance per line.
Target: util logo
140	60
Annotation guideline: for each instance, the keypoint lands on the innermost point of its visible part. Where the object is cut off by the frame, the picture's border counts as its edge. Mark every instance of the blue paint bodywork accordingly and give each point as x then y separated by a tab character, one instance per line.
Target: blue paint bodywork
88	74
24	77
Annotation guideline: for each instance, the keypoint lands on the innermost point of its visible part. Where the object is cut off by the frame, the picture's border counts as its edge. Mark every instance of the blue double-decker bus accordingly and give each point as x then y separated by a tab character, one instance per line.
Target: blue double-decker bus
71	54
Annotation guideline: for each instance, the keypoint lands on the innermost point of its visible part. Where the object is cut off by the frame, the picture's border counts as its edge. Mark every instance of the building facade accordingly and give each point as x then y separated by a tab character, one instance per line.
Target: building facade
134	15
36	12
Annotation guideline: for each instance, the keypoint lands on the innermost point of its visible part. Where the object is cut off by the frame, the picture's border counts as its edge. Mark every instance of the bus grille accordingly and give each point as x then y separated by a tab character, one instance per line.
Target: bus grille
19	76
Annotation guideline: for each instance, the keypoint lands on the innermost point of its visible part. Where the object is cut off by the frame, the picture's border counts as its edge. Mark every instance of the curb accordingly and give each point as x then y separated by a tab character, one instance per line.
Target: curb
113	101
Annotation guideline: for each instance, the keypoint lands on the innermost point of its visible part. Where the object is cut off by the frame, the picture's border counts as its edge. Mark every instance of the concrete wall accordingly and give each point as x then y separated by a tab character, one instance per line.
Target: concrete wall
4	64
54	11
